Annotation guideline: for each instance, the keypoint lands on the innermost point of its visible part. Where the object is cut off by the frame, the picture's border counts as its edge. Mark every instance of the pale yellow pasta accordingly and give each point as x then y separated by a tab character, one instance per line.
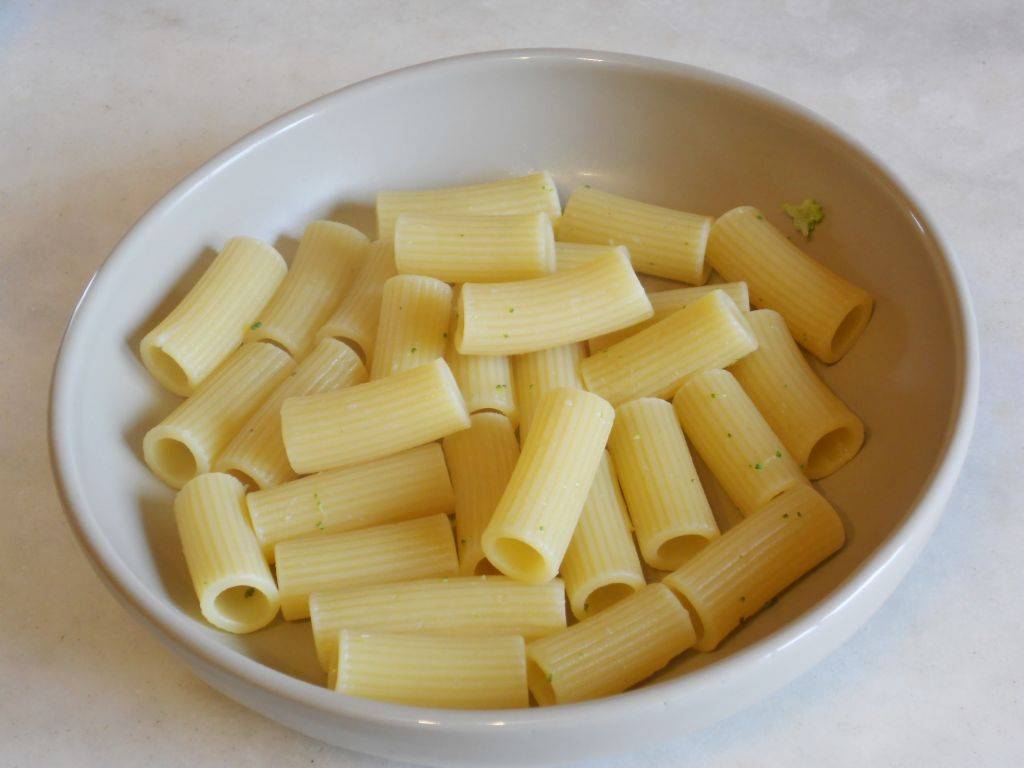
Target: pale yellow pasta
709	333
571	255
601	565
667	302
825	312
513	318
725	427
654	284
209	323
533	523
485	381
471	606
661	241
537	373
480	460
819	430
372	420
256	454
328	258
408	485
737	574
533	193
187	442
356	317
414	549
475	249
236	590
611	651
666	502
419	670
414	315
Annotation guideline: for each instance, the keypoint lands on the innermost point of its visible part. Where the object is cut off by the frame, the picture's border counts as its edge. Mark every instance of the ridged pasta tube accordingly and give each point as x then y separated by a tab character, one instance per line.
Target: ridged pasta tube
537	373
414	315
571	255
485	380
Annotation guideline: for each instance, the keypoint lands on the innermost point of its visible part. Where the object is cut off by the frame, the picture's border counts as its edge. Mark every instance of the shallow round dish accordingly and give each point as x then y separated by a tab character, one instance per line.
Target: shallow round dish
659	131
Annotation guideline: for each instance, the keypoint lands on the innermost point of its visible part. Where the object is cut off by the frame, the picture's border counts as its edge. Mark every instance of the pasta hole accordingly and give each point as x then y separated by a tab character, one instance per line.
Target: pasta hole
355	345
243	604
166	368
519	560
539	684
244	479
831	451
606	596
175	459
849	329
676	551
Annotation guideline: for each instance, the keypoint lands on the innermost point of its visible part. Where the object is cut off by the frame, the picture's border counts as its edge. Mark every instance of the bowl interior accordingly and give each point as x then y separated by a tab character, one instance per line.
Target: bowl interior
696	142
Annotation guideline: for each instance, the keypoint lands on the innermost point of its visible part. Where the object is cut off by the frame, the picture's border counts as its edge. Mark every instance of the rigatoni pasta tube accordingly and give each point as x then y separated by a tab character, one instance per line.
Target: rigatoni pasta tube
667	302
480	460
420	670
356	317
475	249
609	652
816	426
372	420
536	516
414	549
661	241
256	454
408	485
825	312
532	193
571	255
236	590
524	316
473	606
485	381
537	373
745	455
187	442
327	260
737	574
671	515
709	333
414	315
601	566
209	323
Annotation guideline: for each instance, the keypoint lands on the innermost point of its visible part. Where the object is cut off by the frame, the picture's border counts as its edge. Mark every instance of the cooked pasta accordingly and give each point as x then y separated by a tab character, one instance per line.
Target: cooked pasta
480	460
209	323
709	333
452	672
389	490
472	606
525	316
475	249
733	577
328	258
611	651
571	255
372	420
825	312
236	591
533	193
666	502
414	549
745	455
256	454
485	381
187	442
533	523
537	373
356	317
661	241
413	330
601	565
821	433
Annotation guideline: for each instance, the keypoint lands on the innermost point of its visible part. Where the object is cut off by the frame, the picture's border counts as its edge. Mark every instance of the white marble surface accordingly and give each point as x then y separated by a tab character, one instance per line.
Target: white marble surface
105	105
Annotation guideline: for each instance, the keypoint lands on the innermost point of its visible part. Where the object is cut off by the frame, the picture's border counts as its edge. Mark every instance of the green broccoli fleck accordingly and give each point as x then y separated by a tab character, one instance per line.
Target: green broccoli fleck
778	454
412	351
255	325
805	216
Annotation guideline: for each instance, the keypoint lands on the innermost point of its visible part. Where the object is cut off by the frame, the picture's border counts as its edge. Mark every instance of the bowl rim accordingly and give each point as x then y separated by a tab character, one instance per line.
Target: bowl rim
185	635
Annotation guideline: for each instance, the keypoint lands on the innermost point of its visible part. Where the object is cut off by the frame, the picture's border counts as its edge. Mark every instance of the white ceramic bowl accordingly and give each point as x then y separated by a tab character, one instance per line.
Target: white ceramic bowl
659	131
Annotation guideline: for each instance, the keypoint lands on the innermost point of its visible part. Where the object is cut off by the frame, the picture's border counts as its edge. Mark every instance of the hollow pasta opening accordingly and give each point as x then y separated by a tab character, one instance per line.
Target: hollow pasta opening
243	605
698	625
175	459
606	596
539	683
849	329
166	369
831	451
677	550
245	479
519	560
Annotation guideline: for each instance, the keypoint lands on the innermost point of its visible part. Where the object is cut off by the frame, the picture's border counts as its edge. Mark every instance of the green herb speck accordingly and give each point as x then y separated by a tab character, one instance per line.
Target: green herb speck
412	351
255	325
444	335
540	527
504	335
500	387
550	677
778	454
728	434
250	592
511	310
759	465
743	598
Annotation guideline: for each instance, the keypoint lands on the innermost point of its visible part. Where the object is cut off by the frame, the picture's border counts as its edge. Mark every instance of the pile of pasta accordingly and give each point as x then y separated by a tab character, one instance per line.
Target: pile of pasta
547	391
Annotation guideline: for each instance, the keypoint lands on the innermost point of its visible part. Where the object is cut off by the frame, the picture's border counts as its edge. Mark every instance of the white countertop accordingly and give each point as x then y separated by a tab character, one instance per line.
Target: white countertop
104	106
